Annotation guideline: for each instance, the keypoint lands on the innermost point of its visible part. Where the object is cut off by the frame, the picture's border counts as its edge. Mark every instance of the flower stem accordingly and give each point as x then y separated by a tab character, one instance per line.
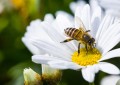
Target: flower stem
91	83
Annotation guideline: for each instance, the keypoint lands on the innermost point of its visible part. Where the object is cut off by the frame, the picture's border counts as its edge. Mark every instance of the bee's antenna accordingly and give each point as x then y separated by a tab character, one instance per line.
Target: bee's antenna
87	31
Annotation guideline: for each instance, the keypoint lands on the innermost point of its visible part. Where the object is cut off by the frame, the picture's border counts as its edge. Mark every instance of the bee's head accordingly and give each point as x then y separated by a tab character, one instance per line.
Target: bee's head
91	41
88	39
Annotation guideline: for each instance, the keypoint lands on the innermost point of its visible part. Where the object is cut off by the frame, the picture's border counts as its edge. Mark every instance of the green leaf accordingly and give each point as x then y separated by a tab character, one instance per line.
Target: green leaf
3	23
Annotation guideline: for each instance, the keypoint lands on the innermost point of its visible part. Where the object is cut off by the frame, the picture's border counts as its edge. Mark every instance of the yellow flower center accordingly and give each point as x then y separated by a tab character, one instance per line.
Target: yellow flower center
86	58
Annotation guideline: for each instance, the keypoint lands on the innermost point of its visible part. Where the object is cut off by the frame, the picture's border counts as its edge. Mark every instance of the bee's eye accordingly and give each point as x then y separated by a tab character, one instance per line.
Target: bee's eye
89	41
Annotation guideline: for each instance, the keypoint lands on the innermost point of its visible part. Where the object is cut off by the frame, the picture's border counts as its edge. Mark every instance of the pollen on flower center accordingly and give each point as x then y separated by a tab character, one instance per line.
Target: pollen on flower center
85	58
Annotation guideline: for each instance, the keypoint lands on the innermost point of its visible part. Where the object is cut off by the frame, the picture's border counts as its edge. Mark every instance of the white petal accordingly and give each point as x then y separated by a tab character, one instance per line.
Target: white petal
107	21
43	59
111	7
95	21
63	22
94	5
78	11
113	12
110	4
95	68
113	43
61	64
79	23
109	35
35	32
108	68
53	49
117	20
84	15
88	74
33	49
74	5
52	31
48	17
35	22
111	54
69	16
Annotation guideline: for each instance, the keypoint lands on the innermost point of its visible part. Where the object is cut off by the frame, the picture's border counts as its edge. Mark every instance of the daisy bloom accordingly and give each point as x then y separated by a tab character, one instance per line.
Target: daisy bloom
111	6
65	55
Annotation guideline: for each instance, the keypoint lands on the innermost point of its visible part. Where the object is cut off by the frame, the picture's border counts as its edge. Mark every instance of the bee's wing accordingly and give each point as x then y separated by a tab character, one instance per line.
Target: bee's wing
79	24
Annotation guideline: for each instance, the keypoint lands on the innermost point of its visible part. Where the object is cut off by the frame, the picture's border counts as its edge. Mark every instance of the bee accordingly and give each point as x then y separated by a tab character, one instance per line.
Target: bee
81	35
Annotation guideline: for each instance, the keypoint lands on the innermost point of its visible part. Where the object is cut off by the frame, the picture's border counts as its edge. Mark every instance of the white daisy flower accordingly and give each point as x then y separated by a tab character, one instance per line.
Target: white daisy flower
110	80
64	55
111	6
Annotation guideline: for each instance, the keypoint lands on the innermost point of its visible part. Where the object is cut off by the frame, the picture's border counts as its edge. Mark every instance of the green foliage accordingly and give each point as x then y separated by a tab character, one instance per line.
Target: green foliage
4	22
14	56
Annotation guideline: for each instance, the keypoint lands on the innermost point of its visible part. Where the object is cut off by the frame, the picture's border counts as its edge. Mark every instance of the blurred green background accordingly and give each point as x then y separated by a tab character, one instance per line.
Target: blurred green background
15	15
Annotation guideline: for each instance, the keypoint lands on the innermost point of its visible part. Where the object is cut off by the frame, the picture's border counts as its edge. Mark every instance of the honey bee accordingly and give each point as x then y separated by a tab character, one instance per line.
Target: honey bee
81	35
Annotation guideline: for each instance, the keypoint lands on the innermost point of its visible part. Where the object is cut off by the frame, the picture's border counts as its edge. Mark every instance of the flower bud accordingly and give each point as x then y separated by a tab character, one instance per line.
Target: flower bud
31	77
50	76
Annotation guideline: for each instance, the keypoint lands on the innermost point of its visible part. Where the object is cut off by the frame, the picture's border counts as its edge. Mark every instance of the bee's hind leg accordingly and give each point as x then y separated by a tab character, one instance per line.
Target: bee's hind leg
67	40
79	49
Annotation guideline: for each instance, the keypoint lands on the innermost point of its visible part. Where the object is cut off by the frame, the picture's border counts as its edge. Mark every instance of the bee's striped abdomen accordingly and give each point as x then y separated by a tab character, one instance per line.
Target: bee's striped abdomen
72	32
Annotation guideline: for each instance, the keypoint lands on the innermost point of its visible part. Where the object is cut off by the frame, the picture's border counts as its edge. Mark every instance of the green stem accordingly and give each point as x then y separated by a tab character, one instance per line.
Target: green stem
91	83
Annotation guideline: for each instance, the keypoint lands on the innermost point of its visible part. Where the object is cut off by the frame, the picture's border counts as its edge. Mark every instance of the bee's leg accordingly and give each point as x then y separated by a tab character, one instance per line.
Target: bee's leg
79	49
94	45
86	47
67	40
87	30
